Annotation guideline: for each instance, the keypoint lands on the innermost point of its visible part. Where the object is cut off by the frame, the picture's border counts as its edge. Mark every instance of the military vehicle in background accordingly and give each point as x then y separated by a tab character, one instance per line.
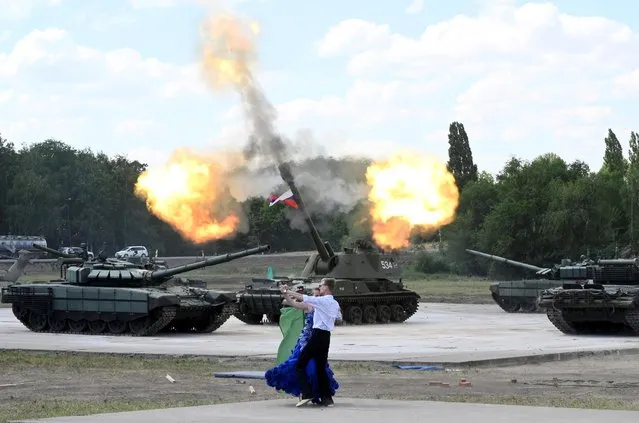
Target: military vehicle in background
521	295
113	298
10	245
368	282
601	298
591	297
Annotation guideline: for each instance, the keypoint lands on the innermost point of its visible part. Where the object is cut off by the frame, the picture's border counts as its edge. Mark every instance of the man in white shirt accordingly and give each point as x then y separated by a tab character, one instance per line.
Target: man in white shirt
327	310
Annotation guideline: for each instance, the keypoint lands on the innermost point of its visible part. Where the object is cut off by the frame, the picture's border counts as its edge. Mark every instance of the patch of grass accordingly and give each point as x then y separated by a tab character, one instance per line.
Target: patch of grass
24	360
81	360
59	408
449	287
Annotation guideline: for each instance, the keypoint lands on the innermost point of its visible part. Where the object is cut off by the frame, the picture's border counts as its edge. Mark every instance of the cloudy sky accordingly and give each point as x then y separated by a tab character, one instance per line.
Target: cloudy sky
363	77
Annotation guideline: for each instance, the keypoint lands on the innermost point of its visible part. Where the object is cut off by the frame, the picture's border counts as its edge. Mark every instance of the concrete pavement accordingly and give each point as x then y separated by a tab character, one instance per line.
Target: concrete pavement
347	410
437	333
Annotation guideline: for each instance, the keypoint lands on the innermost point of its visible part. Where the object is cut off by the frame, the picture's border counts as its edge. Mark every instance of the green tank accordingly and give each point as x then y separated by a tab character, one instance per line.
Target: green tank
368	281
603	300
522	295
114	298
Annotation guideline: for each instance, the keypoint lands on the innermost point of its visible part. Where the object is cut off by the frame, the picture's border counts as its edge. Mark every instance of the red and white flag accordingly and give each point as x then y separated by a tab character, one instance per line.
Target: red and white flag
286	198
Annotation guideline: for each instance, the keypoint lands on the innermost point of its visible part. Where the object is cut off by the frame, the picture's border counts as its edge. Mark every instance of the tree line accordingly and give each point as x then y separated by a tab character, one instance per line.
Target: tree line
538	211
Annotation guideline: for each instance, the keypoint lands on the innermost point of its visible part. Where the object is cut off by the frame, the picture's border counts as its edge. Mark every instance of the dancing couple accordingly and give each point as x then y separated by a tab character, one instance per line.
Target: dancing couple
306	373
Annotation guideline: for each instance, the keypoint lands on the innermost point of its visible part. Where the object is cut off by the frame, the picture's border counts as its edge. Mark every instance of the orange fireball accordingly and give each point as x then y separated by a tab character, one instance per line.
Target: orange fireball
409	191
189	193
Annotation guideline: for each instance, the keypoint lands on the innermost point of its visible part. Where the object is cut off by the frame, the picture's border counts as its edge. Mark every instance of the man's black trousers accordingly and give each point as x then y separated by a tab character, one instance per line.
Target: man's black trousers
316	348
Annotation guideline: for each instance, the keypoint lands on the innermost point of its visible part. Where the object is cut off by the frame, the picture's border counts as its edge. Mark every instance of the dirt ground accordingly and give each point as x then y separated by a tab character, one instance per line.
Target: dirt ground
46	384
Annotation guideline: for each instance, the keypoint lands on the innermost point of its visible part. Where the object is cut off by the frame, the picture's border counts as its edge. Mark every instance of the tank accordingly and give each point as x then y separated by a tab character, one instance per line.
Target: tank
519	295
368	281
112	298
591	297
10	245
604	301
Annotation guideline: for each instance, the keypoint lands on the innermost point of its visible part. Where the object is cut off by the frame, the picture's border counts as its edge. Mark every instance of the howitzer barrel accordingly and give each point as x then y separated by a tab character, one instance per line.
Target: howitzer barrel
285	173
52	251
165	273
506	261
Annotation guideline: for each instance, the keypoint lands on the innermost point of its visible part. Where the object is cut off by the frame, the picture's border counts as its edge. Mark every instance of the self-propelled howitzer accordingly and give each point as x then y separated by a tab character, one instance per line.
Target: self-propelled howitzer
116	299
368	284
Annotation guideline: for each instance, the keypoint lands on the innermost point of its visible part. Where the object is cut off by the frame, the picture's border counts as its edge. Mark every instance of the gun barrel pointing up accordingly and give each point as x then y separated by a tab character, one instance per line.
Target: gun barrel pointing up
324	250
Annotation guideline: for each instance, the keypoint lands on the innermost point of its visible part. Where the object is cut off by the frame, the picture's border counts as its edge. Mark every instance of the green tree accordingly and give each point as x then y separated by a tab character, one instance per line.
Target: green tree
460	156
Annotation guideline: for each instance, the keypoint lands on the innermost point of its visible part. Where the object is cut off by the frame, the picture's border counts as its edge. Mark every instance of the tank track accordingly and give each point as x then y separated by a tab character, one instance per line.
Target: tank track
358	310
515	304
166	315
556	317
220	314
632	319
227	311
403	307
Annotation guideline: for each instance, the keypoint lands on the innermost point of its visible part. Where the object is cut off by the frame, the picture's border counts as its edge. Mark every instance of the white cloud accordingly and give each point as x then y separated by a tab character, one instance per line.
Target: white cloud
20	9
133	126
415	7
527	79
150	4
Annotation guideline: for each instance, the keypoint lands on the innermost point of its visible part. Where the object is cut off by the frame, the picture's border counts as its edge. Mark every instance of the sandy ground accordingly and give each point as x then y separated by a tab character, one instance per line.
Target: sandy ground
603	380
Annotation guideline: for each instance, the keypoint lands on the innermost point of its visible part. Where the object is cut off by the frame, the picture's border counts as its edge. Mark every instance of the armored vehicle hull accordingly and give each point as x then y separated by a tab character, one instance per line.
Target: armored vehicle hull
63	308
117	299
592	308
520	296
362	302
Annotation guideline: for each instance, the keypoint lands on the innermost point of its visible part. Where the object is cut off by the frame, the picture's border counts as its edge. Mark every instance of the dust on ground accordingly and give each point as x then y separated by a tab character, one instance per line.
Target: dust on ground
47	384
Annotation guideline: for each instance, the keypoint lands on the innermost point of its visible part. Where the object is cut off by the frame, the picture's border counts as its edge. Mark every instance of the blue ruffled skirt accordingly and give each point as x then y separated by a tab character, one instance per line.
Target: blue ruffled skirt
283	377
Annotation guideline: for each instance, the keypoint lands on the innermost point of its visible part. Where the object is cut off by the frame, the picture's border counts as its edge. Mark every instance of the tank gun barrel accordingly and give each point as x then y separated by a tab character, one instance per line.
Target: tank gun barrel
52	251
323	249
622	262
506	261
166	273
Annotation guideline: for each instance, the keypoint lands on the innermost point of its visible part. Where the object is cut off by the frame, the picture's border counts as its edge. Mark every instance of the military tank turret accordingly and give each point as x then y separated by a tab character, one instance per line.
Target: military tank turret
114	298
368	281
522	295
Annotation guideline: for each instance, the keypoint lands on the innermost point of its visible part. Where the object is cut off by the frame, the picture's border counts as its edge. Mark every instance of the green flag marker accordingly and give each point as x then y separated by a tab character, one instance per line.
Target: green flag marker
291	325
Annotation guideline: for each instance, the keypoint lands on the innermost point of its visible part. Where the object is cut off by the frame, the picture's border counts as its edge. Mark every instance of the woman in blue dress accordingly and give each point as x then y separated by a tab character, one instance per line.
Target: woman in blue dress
283	378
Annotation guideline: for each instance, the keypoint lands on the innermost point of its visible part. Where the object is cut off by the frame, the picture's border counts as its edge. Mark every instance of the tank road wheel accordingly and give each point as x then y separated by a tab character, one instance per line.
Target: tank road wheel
57	325
557	319
20	312
632	319
398	314
273	318
249	319
508	305
97	326
139	326
117	326
370	314
383	313
38	321
354	315
528	307
77	326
